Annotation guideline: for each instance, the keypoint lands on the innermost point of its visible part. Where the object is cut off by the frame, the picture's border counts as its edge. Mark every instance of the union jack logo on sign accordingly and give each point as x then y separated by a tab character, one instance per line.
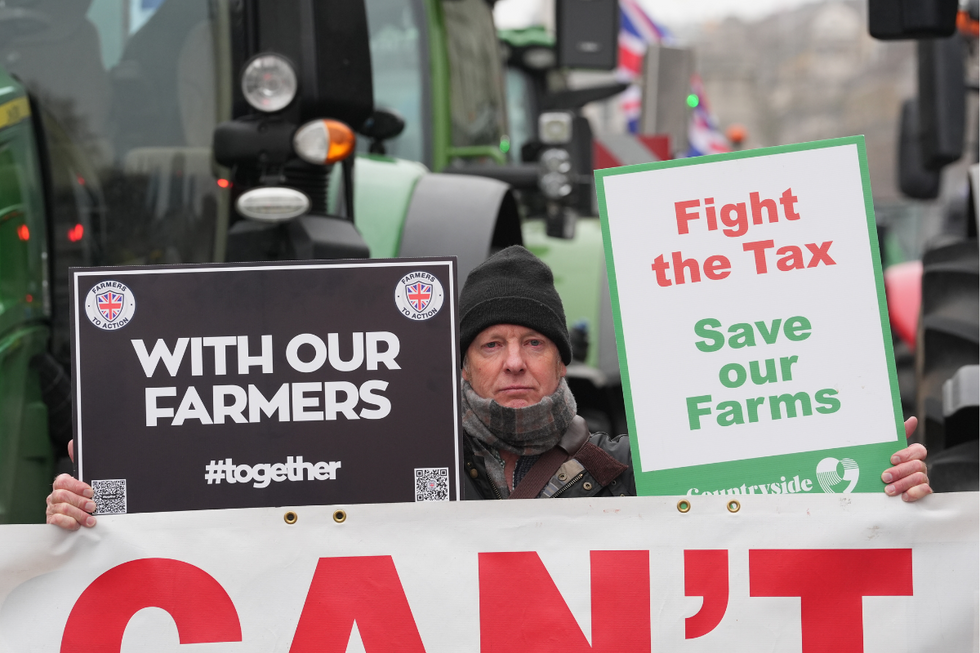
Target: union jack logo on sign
419	294
110	305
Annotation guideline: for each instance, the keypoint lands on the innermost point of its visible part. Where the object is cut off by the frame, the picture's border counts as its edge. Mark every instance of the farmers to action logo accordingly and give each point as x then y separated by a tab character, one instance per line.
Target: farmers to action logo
110	305
829	478
419	295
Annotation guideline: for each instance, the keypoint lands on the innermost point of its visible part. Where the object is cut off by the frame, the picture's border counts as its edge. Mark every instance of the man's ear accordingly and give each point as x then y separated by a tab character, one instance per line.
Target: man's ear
464	371
562	370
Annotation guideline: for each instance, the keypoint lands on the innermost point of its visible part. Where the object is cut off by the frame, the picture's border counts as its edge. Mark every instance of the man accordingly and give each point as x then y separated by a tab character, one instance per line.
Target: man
522	438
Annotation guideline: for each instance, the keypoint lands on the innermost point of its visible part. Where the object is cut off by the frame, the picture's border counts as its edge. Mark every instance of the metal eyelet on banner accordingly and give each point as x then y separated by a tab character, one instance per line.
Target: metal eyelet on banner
683	505
734	506
339	516
290	517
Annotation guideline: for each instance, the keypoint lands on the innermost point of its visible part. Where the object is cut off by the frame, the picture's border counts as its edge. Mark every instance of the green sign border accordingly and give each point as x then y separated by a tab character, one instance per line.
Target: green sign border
727	477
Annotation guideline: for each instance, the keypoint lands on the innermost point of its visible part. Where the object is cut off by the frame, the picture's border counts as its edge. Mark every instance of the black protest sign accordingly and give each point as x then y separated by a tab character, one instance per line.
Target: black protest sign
226	386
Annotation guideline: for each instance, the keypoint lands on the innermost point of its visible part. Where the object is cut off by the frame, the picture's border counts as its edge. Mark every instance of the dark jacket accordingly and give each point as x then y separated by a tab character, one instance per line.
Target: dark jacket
601	467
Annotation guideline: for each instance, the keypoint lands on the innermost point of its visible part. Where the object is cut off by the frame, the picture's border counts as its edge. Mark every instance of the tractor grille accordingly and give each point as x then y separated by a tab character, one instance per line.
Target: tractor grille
311	180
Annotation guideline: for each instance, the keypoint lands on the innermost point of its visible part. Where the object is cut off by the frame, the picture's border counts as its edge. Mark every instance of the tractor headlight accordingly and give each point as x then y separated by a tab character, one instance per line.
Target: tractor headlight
269	83
555	185
556	160
553	168
539	58
555	127
272	204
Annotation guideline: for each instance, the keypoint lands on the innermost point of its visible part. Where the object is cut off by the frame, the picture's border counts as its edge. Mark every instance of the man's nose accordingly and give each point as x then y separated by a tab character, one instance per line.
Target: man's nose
515	358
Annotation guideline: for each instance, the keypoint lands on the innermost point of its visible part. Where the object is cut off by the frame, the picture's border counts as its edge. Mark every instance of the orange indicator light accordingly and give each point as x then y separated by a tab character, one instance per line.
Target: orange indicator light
342	140
324	142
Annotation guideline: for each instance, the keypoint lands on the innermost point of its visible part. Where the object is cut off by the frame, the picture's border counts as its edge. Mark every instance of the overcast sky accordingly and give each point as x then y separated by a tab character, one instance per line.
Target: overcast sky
673	14
685	12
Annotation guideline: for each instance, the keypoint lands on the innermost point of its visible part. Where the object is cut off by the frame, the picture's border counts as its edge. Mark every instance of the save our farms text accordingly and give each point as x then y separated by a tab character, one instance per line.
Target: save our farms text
758	372
305	401
736	220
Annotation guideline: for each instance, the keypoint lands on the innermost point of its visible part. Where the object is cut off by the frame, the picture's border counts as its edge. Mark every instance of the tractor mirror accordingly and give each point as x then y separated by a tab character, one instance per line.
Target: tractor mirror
383	125
911	19
914	179
587	33
942	100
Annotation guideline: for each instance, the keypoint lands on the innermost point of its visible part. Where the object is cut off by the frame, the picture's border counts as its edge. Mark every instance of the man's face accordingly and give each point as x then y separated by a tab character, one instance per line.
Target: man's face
513	365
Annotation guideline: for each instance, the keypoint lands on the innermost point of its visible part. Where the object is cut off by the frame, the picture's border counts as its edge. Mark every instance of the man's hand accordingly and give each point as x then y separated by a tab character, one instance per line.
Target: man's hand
908	476
70	501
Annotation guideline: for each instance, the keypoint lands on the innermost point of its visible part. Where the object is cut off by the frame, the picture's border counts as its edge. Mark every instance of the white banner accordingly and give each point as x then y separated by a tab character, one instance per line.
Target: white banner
805	573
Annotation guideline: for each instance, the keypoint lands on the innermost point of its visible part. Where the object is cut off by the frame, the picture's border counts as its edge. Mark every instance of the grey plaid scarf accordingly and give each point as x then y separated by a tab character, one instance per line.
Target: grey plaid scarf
527	431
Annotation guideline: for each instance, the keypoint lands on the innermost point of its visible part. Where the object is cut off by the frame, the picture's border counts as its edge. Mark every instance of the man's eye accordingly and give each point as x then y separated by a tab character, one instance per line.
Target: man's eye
534	343
490	345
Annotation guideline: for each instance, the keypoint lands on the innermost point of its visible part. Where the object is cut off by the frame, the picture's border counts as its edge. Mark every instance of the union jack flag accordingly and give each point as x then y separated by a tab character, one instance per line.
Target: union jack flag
110	304
636	31
419	294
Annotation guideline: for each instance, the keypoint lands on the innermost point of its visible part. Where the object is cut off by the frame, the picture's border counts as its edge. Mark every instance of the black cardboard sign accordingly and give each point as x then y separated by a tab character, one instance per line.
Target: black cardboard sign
231	386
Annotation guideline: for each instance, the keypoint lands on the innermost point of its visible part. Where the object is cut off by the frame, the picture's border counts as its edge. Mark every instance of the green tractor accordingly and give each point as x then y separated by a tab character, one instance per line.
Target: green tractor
473	112
552	136
26	452
184	131
476	107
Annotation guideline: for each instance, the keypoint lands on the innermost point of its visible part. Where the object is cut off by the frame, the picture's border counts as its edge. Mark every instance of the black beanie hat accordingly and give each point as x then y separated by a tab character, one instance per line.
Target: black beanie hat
513	287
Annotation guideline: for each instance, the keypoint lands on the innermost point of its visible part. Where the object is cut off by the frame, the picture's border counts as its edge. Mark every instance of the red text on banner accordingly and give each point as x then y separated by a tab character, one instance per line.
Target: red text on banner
539	620
831	612
199	606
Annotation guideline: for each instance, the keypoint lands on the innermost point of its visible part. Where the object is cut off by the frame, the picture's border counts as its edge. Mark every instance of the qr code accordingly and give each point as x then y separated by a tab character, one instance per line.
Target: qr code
110	496
432	484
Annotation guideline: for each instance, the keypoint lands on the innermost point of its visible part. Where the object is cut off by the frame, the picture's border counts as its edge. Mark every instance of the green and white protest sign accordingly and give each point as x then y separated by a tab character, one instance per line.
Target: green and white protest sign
751	321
